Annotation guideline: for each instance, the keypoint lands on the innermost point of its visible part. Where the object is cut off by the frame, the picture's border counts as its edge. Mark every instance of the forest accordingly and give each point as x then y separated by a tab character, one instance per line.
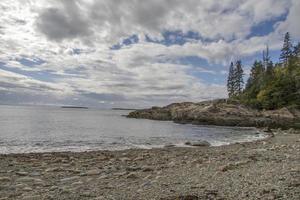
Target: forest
270	85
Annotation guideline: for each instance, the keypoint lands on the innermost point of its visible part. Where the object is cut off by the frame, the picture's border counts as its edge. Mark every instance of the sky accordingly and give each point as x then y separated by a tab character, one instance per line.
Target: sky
133	53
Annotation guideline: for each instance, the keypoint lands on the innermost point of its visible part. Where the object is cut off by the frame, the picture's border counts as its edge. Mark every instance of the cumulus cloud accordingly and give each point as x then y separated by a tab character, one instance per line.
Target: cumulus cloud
74	39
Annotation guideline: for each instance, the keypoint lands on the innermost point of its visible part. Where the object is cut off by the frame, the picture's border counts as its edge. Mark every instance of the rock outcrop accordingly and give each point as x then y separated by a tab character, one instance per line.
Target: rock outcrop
222	113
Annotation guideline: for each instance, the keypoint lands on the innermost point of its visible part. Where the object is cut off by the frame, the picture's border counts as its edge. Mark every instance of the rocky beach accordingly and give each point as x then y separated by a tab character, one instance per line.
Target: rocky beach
265	169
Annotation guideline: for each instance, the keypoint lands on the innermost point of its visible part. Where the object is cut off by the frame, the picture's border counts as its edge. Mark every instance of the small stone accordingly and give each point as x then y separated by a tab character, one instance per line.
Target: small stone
35	174
87	194
125	159
54	169
52	188
29	179
4	179
147	169
133	169
22	173
27	189
77	183
69	179
93	172
132	176
34	197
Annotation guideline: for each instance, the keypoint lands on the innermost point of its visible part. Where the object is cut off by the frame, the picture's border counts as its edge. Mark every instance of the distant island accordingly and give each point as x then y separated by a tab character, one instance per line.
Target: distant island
75	107
124	109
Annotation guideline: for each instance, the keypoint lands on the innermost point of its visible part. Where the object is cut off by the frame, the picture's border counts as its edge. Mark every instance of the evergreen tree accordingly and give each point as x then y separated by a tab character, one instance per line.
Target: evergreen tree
286	51
270	86
238	78
257	71
230	81
296	51
269	73
266	57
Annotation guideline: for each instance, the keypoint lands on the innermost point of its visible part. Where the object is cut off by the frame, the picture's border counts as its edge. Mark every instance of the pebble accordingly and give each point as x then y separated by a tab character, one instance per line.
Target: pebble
133	169
29	179
77	183
27	189
93	172
132	176
4	179
34	197
54	169
69	179
125	159
53	188
22	173
147	169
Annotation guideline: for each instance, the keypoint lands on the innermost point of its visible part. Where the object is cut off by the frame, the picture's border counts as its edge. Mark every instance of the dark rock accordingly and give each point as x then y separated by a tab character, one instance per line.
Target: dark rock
198	143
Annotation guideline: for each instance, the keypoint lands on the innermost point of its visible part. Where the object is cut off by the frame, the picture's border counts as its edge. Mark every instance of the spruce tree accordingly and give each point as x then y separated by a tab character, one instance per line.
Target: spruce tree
238	78
230	81
286	51
296	51
266	57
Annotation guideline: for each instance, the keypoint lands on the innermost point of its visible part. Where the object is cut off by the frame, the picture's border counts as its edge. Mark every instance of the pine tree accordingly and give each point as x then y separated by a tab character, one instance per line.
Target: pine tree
230	81
238	78
256	73
266	57
296	51
269	69
286	51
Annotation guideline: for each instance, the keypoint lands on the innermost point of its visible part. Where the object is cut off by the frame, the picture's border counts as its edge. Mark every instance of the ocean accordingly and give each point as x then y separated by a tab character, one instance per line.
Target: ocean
25	129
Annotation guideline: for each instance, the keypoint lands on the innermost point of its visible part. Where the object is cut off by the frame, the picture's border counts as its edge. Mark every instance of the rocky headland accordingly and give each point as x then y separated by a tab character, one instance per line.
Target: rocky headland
221	113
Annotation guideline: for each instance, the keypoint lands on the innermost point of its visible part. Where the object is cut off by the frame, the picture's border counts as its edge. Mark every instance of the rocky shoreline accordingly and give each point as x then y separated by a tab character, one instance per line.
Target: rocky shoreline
222	113
265	169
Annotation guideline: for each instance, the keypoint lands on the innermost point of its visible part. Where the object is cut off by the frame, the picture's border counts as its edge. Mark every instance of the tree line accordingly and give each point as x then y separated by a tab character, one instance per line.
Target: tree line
269	86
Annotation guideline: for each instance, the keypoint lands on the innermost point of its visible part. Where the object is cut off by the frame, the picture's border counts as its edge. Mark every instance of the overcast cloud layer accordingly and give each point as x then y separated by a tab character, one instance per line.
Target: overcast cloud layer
111	53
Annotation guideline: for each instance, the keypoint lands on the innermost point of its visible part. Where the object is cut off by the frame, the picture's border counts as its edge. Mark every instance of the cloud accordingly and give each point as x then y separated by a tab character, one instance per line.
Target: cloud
63	22
291	24
74	40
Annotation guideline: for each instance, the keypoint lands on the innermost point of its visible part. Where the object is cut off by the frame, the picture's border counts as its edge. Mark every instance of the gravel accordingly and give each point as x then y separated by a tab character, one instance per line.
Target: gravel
266	169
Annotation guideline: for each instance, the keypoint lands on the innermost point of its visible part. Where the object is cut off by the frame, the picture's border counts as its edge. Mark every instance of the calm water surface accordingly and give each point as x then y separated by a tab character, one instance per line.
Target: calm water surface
44	129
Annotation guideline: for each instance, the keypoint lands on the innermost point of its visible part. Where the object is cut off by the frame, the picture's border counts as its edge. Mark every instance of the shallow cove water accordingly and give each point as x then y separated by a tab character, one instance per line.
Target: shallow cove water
47	129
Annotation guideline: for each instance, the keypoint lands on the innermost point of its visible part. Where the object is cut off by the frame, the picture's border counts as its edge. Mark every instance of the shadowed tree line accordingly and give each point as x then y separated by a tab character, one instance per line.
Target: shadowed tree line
270	86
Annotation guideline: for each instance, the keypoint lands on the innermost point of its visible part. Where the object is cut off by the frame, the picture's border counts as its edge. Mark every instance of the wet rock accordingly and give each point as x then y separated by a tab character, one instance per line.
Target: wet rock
199	143
169	145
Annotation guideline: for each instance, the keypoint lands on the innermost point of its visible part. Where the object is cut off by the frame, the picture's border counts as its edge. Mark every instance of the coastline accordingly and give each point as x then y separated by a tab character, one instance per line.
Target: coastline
267	168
